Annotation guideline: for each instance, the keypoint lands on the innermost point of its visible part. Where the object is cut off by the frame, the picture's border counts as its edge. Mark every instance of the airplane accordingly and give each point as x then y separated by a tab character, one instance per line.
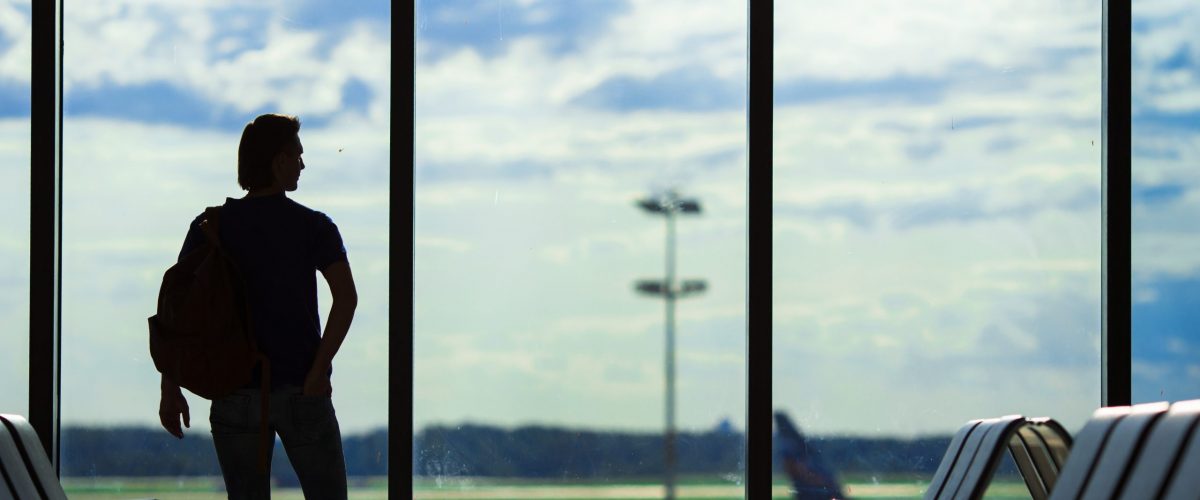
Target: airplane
812	478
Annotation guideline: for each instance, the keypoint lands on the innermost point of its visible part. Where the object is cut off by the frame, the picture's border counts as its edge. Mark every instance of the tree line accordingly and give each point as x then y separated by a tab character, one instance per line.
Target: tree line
540	452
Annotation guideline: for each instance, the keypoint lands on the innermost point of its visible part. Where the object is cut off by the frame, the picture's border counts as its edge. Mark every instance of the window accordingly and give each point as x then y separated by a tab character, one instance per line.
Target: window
538	128
156	96
15	56
1166	210
937	221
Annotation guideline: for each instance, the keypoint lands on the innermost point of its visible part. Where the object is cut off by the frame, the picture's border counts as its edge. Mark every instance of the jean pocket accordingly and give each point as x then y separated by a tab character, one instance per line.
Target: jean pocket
310	411
311	416
230	414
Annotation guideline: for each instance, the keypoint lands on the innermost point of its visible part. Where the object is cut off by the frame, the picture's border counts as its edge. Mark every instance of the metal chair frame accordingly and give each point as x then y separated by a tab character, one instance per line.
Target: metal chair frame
1128	453
1038	446
25	463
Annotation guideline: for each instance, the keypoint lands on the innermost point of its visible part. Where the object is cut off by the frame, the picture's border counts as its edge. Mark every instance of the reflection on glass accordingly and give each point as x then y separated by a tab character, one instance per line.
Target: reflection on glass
541	358
15	56
937	222
156	96
1166	205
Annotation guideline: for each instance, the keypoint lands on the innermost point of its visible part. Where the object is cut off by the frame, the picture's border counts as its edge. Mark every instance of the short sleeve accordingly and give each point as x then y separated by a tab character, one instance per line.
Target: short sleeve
328	243
194	238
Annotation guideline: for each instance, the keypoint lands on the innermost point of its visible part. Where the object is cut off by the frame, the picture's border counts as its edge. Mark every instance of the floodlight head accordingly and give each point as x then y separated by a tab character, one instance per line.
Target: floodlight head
649	205
691	206
689	287
651	287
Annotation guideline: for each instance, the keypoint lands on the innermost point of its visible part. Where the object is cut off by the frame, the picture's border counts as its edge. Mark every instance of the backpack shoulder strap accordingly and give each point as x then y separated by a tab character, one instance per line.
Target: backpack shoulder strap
211	225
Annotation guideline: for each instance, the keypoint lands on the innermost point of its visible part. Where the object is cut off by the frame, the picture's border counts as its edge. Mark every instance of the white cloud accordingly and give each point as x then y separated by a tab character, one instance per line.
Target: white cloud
299	71
1173	24
434	244
14	252
1165	254
16	39
869	40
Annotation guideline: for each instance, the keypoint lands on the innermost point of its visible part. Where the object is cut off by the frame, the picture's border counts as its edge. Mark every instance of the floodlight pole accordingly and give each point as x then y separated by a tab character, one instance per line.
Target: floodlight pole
668	205
669	295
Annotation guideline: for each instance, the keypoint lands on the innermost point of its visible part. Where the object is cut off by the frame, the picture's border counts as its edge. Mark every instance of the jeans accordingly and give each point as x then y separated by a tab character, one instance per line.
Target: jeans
308	428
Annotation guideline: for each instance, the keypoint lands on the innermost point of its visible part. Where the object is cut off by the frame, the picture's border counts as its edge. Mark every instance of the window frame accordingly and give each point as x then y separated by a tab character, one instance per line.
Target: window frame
45	277
760	135
1116	177
401	248
45	223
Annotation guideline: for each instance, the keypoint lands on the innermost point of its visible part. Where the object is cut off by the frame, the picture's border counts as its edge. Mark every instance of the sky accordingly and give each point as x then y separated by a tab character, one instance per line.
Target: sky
937	201
1166	243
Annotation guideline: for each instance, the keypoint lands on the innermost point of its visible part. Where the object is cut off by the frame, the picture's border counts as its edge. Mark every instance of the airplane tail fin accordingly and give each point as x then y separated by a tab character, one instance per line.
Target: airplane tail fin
812	478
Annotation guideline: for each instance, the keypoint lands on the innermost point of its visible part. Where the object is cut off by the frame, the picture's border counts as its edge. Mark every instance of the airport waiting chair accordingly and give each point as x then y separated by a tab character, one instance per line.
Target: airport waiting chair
17	483
1039	447
1146	451
1040	450
1135	452
26	467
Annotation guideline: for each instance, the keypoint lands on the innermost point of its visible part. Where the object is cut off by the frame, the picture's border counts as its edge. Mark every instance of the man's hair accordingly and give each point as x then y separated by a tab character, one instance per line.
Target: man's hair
262	139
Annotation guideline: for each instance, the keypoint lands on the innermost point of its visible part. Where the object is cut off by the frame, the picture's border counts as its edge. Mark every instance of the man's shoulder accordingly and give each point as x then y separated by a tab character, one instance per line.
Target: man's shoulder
204	213
315	215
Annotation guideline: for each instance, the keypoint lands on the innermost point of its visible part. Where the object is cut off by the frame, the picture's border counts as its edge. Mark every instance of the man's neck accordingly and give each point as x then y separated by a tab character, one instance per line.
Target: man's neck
268	191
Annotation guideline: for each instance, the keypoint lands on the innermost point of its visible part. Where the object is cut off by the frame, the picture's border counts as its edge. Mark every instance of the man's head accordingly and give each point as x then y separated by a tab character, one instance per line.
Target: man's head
269	153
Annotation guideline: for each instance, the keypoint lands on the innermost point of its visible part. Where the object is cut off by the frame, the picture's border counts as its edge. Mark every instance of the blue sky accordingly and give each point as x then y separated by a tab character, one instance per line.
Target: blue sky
1166	111
937	200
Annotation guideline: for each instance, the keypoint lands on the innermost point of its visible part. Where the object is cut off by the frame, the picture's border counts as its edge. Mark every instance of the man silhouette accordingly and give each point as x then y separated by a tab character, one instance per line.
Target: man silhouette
278	246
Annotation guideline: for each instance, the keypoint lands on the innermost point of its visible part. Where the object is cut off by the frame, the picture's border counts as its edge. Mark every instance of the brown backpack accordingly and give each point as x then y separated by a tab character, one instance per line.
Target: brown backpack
201	339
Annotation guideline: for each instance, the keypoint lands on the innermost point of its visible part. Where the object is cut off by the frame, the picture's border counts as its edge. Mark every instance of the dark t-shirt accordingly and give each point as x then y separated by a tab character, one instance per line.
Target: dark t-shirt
278	246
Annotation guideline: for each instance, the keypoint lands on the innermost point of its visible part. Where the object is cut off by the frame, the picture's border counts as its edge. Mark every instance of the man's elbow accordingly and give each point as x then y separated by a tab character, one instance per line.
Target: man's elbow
346	300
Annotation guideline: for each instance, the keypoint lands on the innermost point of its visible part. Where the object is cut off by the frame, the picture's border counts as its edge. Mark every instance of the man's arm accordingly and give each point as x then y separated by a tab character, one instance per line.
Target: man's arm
341	313
171	406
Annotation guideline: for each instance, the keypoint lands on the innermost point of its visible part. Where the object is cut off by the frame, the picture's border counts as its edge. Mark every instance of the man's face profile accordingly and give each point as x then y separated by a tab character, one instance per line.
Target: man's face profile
288	164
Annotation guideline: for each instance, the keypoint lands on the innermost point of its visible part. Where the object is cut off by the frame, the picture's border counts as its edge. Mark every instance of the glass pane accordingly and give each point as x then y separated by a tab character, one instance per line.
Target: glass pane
1166	205
15	58
937	225
156	98
541	127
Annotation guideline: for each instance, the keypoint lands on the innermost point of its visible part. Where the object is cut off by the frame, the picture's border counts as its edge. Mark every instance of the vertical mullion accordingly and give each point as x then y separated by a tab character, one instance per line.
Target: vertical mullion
45	223
759	233
401	256
1115	256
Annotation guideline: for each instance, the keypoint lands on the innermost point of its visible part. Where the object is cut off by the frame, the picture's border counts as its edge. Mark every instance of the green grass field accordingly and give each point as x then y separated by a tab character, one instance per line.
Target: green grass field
209	488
